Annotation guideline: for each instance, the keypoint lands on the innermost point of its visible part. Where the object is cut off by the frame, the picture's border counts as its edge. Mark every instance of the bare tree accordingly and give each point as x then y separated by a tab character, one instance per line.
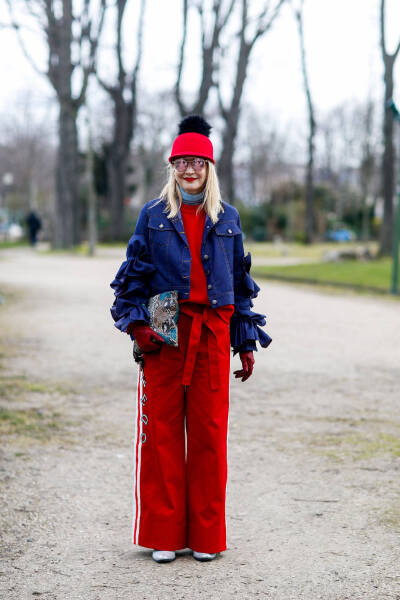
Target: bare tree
27	152
210	45
265	163
349	143
155	128
367	166
388	160
230	112
92	232
123	95
309	182
71	36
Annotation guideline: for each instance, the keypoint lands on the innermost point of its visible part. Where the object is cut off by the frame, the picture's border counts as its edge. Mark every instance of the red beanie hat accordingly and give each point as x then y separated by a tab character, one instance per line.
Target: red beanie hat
193	139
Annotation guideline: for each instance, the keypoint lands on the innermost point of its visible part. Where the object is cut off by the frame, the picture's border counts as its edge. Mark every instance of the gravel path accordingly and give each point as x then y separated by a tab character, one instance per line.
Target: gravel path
314	447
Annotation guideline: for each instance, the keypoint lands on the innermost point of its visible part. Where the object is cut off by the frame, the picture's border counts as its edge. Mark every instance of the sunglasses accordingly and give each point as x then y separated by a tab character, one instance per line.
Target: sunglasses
181	164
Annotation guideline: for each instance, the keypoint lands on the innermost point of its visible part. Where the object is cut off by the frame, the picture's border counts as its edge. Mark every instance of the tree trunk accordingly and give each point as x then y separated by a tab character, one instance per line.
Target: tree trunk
92	232
231	113
310	216
72	40
367	171
124	98
231	118
117	160
225	167
310	224
116	174
386	235
365	185
388	160
67	178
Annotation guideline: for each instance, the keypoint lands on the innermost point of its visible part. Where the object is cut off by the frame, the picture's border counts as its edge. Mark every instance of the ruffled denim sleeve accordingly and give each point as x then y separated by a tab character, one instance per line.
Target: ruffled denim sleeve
245	325
131	283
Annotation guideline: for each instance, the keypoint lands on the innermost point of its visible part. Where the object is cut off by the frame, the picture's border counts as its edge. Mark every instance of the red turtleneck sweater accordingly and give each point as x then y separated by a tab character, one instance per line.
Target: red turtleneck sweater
193	225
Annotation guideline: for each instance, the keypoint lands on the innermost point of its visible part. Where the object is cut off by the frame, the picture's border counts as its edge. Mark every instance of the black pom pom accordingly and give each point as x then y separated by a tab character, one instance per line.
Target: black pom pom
196	124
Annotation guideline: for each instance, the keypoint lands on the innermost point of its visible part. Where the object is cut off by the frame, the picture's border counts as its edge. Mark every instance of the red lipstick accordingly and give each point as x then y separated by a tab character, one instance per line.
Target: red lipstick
190	179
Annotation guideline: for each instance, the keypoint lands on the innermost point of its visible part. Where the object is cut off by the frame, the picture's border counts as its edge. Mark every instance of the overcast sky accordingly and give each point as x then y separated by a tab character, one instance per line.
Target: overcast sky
342	44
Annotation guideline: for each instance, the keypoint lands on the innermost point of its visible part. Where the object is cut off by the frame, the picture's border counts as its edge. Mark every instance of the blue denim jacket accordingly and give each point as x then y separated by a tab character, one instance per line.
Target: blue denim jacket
158	260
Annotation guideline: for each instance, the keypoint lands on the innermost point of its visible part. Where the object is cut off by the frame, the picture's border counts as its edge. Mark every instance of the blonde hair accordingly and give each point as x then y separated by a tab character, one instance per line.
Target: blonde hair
212	203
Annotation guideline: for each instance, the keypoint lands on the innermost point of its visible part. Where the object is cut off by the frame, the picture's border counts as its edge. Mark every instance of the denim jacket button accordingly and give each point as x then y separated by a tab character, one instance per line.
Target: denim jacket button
214	302
205	257
209	286
229	230
161	225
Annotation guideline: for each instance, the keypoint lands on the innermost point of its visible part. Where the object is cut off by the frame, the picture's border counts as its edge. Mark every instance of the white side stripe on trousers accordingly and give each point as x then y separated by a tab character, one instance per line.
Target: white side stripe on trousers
137	455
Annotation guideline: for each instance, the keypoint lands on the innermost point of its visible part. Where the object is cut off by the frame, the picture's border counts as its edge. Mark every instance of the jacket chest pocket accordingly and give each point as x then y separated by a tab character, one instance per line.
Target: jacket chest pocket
160	235
226	232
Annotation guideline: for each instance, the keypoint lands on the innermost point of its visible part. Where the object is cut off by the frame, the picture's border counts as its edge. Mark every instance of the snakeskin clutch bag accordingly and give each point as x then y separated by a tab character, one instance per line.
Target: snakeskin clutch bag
164	311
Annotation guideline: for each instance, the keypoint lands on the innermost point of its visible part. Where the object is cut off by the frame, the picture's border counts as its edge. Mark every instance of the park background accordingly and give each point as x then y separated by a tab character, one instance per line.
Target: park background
297	93
307	150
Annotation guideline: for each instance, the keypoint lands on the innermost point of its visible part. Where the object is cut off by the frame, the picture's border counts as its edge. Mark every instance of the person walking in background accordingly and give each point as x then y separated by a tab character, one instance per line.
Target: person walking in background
187	240
34	225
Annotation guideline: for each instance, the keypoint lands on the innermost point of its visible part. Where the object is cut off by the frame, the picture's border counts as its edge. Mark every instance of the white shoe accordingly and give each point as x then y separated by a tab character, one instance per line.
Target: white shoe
163	556
203	556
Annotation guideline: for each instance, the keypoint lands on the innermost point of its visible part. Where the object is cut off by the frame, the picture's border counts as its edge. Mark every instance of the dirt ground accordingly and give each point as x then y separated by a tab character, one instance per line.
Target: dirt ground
314	447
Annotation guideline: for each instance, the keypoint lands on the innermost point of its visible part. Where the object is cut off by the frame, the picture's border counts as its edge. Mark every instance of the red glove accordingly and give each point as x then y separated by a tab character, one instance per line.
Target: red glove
147	339
247	359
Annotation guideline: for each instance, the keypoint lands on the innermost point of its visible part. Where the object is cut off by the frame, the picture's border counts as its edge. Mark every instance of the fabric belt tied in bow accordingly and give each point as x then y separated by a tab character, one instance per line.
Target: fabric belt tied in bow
201	315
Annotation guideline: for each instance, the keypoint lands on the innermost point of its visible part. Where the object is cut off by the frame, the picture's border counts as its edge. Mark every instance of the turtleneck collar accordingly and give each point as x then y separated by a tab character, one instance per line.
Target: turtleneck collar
191	198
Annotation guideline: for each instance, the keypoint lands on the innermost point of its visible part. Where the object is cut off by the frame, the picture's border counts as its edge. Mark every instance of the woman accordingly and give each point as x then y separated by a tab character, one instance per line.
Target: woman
190	241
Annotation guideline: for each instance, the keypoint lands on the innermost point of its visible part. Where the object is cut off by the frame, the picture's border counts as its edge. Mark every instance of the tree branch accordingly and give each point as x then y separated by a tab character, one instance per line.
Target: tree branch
383	35
118	48
51	20
21	42
244	20
138	61
396	52
93	44
31	11
262	14
200	10
223	110
216	28
228	13
178	94
382	40
108	88
263	28
139	39
299	18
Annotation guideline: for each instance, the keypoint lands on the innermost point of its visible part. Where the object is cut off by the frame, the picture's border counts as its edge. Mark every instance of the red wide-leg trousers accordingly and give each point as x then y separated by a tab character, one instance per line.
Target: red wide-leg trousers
180	484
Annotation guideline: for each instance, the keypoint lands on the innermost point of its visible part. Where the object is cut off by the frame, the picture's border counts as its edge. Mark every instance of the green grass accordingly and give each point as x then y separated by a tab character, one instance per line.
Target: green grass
357	446
29	423
8	244
79	250
369	275
18	387
83	249
113	244
257	249
295	250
